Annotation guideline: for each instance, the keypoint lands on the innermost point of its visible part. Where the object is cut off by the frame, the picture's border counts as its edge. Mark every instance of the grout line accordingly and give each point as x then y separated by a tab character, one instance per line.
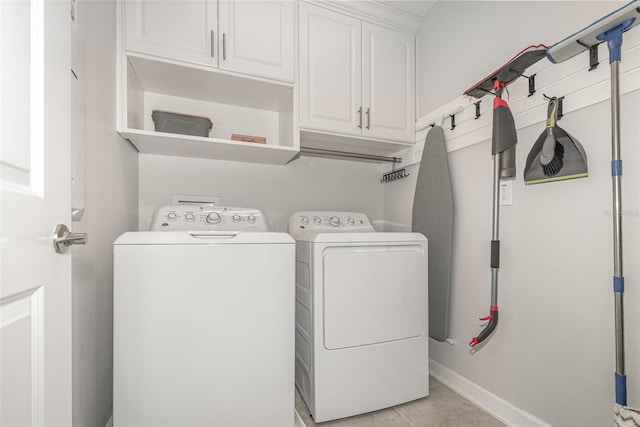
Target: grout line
402	415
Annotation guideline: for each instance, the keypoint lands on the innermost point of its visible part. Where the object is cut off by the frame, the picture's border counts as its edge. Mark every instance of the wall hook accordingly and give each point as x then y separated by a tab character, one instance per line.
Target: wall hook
532	84
394	175
593	58
477	104
559	112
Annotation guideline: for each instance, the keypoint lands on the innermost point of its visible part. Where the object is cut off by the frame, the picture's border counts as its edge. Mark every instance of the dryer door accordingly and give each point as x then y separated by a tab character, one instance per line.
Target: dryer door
374	294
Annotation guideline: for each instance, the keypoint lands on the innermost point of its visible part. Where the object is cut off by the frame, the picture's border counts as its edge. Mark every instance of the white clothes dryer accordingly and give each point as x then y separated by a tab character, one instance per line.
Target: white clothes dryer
361	315
204	321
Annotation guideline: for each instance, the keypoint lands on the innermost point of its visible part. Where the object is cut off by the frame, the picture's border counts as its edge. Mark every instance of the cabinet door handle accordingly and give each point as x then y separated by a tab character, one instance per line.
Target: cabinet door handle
224	46
213	43
368	119
360	118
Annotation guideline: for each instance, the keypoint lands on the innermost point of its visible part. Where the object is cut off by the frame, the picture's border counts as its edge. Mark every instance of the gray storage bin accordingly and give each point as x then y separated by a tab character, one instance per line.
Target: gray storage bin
166	121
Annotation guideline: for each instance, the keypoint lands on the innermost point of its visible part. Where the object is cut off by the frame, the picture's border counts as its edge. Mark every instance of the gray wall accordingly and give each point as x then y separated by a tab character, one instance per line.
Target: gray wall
111	208
552	354
307	183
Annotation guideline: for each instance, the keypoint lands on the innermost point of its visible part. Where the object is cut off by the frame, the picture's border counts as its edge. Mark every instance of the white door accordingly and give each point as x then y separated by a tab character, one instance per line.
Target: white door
256	37
330	71
35	282
184	30
388	83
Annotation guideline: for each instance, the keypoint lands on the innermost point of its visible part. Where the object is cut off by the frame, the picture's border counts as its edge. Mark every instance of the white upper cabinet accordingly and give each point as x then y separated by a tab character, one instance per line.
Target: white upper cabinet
388	83
356	78
182	30
330	71
250	37
229	61
257	37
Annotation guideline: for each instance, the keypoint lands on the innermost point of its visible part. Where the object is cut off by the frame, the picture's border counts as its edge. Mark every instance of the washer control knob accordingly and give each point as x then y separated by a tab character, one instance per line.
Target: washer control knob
251	218
172	216
236	218
305	220
317	220
214	218
350	221
189	217
334	221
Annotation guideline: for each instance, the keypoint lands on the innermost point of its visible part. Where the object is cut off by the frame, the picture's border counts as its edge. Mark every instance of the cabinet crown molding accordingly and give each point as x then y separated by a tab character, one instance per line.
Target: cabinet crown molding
374	12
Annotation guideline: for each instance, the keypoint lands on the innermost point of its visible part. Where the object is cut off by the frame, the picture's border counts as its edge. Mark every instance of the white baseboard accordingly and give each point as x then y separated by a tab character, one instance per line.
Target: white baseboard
297	422
495	405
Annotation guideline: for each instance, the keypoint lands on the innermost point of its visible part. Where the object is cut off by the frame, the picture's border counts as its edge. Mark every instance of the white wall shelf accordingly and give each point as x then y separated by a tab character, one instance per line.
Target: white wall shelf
234	103
168	144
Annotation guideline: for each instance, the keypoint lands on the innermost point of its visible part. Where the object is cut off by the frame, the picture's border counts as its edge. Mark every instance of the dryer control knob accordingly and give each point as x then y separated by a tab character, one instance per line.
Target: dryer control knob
305	220
334	221
350	221
172	216
189	217
251	218
317	220
236	218
214	218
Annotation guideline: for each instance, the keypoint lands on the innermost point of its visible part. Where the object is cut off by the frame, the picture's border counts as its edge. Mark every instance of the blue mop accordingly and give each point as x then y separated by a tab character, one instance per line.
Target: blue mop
610	29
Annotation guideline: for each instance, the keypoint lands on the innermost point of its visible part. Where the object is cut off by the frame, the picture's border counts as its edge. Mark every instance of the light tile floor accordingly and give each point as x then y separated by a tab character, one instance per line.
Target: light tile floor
442	408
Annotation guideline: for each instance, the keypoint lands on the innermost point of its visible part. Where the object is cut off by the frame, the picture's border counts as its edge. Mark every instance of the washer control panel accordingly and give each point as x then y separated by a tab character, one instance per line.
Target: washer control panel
206	217
329	222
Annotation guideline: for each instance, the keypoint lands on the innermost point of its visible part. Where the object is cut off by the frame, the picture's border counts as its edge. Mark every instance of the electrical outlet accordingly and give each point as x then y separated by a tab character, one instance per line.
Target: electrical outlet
506	194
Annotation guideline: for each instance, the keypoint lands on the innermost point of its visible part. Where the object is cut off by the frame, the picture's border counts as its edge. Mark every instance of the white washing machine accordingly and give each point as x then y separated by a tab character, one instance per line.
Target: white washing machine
204	321
361	315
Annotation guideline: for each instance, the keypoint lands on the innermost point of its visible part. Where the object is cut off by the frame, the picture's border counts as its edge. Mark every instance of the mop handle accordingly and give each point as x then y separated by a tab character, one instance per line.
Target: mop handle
498	87
614	37
495	258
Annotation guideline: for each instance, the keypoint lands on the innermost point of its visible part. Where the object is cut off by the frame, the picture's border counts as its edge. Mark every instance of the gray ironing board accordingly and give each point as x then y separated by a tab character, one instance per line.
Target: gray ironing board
433	216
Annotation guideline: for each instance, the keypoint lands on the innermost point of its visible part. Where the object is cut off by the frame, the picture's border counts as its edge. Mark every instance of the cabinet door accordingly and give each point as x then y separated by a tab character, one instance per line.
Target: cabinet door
330	71
173	29
257	37
388	83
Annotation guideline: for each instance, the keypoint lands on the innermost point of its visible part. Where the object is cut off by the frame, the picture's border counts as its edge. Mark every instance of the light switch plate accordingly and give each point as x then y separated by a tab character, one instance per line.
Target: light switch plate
506	193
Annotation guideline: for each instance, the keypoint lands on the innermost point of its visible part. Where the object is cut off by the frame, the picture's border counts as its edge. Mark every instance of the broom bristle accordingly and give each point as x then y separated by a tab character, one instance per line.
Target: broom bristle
555	165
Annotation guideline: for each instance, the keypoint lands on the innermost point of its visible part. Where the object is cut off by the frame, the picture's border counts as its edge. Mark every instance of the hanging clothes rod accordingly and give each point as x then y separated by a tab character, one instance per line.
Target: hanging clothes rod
349	155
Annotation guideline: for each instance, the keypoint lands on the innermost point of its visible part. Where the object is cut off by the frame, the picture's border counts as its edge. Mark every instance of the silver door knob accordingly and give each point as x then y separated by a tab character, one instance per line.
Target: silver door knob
63	238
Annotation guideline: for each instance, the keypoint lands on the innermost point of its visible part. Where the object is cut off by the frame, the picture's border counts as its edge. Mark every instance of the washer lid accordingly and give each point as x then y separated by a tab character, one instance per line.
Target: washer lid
201	238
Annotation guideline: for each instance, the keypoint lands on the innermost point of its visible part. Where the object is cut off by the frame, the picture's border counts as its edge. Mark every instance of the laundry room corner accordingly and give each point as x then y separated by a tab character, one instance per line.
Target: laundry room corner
281	212
551	359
